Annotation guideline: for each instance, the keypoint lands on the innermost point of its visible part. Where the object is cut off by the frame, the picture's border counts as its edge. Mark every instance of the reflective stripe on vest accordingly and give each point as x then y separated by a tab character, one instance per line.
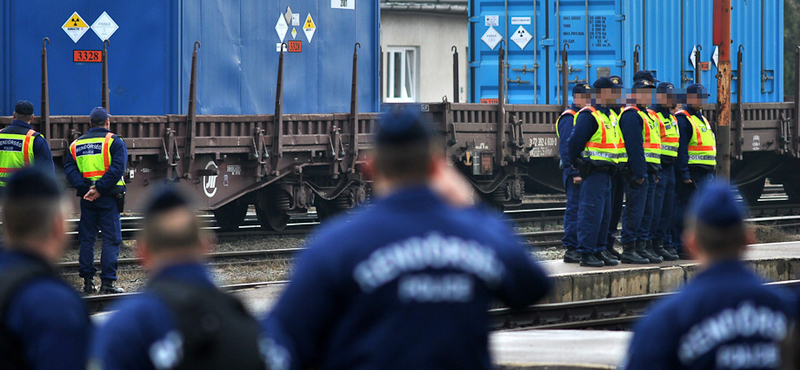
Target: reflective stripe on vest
670	135
651	135
93	156
602	146
566	112
16	152
703	144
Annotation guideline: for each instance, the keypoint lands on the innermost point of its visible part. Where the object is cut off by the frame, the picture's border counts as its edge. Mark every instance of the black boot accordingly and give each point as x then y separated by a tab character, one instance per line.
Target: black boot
641	249
108	288
589	260
659	250
572	256
606	258
684	255
613	252
629	255
88	285
671	251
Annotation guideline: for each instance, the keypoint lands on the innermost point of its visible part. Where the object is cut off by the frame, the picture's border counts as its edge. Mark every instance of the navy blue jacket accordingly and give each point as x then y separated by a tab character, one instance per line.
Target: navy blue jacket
107	183
631	125
42	156
124	341
585	127
723	318
564	127
48	318
687	132
404	284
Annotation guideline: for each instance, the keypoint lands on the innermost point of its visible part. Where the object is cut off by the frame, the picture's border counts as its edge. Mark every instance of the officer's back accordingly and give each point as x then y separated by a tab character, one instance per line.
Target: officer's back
43	322
405	283
181	321
725	318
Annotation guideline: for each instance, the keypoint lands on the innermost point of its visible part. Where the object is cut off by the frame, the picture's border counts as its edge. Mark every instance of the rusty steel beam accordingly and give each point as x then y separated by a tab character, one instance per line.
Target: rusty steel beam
191	121
564	77
739	141
722	38
501	110
104	87
454	49
278	132
44	126
354	111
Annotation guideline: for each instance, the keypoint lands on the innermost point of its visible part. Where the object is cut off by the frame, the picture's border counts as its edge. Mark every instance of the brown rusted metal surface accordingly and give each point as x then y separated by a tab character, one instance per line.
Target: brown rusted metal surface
722	38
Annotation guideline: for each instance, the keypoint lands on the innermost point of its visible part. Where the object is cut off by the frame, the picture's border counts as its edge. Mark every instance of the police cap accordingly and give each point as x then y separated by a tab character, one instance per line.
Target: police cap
402	125
716	205
24	107
697	89
643	84
606	83
644	75
99	114
166	198
665	88
32	182
581	89
616	79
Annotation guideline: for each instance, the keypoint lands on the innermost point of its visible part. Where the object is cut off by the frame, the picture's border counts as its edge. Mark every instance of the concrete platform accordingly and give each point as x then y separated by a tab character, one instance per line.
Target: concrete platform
559	349
774	261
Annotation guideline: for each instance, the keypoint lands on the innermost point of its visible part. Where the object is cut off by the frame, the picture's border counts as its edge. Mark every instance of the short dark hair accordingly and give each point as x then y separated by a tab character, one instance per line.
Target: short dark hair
407	163
176	228
23	117
26	219
98	122
720	242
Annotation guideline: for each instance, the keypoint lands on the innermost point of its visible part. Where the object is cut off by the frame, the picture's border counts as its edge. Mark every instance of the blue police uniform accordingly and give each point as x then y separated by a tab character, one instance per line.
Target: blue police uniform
664	199
564	127
617	201
699	174
126	340
410	296
42	156
101	214
594	211
636	195
47	318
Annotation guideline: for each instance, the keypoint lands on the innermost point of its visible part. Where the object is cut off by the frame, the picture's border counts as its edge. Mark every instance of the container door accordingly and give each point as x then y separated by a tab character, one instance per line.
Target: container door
487	31
594	38
523	65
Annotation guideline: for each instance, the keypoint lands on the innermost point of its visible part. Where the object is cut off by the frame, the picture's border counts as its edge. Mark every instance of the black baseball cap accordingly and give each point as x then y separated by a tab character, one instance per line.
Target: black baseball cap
24	107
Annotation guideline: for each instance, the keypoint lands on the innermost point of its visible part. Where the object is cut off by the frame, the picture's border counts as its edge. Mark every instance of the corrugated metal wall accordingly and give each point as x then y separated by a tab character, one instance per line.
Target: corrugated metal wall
150	56
665	30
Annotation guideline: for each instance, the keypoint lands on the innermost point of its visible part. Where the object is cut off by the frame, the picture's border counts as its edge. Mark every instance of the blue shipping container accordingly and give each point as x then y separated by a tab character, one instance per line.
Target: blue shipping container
150	55
601	37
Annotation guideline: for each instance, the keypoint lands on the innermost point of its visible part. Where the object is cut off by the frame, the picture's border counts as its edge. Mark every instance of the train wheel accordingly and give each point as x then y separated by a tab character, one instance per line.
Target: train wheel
231	215
752	191
271	209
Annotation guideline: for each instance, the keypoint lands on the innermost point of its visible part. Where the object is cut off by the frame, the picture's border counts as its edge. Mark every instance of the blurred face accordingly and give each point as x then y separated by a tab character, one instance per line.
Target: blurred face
695	100
644	97
581	100
608	97
664	100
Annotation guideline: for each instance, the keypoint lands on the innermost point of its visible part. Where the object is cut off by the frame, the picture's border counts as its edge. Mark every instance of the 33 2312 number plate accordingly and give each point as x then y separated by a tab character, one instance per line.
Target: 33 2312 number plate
87	56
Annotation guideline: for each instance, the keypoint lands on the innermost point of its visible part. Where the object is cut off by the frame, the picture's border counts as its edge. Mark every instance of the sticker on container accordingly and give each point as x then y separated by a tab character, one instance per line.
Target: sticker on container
281	27
295	19
520	20
491	20
295	46
491	37
104	27
715	56
294	33
309	28
692	57
343	4
521	37
278	47
75	27
288	15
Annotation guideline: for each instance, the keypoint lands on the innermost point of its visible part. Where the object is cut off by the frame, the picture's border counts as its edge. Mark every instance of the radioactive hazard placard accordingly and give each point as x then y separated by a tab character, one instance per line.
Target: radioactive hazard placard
309	28
75	27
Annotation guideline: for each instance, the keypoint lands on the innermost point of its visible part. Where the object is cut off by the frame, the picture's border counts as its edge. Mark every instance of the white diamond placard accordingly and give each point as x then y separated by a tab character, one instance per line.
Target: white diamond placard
491	37
309	28
521	37
104	26
281	27
294	33
75	27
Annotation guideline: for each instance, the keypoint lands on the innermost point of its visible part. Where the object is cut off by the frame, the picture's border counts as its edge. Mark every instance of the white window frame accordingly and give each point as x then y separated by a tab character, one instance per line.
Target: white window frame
407	94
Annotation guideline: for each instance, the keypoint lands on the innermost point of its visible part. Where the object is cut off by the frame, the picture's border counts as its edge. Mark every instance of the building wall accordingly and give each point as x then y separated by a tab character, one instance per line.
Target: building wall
433	35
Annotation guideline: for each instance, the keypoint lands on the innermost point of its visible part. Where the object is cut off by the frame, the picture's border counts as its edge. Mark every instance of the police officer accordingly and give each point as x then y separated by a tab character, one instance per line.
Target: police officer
697	154
593	150
725	317
581	96
44	324
95	166
643	147
21	146
617	179
664	199
181	321
405	283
